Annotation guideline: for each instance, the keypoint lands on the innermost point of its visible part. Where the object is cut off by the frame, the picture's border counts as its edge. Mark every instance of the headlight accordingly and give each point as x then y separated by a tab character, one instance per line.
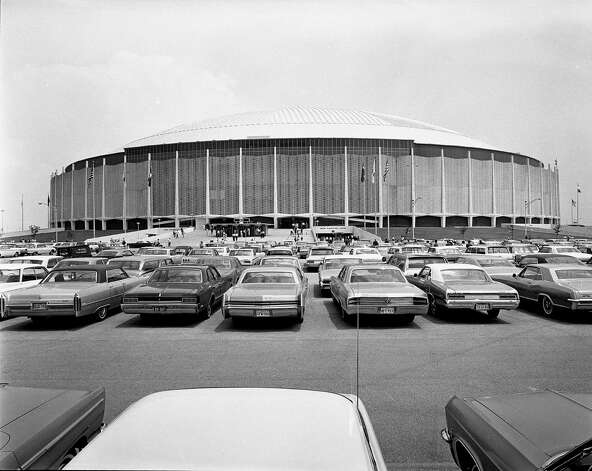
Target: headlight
189	300
353	300
130	300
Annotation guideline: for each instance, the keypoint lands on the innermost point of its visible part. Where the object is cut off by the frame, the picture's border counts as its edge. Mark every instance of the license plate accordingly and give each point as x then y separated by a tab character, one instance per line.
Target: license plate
482	307
160	308
386	310
39	306
262	313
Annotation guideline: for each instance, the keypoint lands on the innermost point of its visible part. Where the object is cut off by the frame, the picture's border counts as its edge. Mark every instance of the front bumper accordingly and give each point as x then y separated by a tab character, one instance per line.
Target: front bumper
397	310
271	310
481	304
580	304
312	263
161	308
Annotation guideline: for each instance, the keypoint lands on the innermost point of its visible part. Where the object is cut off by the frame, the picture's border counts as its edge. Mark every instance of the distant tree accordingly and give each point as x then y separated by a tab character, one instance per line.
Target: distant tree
34	230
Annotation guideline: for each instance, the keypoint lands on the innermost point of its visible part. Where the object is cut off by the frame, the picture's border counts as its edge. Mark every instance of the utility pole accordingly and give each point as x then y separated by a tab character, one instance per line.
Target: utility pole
22	215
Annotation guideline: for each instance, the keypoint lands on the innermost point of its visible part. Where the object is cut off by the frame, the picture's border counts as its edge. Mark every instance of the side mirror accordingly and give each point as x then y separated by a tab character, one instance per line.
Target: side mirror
384	259
514	275
415	275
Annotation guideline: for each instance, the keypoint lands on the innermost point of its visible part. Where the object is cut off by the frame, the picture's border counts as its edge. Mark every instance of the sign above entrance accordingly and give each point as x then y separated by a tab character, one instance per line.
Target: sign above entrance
331	229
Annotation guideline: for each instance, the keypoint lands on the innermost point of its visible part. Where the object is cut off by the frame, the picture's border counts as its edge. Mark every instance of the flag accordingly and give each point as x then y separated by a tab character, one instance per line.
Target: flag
579	189
363	177
387	169
373	170
91	176
573	203
149	176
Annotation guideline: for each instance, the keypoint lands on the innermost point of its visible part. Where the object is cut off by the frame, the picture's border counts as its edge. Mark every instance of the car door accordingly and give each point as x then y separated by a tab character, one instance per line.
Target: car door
525	282
218	284
116	285
422	279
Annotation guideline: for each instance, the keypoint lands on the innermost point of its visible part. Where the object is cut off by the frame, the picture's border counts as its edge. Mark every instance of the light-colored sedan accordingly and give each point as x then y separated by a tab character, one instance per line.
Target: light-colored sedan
377	290
267	292
238	429
316	255
46	261
464	286
331	267
11	251
494	266
140	265
14	277
246	256
72	292
367	254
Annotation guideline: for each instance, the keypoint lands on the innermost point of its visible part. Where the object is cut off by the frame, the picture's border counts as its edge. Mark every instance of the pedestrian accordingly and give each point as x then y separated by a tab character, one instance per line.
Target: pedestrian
201	244
169	242
182	233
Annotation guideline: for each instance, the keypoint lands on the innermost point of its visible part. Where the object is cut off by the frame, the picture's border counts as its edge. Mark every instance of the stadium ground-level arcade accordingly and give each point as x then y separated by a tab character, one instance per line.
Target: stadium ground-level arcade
304	165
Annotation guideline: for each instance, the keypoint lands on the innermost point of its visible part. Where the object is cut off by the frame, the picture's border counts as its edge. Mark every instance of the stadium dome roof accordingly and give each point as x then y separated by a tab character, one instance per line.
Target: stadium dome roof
310	122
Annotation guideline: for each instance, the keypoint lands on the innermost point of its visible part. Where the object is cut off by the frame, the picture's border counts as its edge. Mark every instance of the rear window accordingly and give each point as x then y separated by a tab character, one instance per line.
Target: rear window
176	275
420	262
495	262
573	274
10	276
125	264
376	275
321	251
497	250
523	249
413	250
566	249
269	277
464	275
215	262
337	264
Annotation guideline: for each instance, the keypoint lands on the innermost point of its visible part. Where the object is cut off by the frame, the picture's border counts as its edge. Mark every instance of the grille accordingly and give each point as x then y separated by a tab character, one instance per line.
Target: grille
382	301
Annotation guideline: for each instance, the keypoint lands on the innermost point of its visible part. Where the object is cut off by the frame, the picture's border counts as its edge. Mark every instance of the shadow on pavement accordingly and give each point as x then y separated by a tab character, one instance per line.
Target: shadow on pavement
158	321
560	316
368	322
465	316
52	324
259	325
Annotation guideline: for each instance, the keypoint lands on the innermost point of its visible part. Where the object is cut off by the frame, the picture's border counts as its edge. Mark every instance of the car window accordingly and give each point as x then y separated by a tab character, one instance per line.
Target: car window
420	262
425	273
269	277
338	263
376	275
150	265
52	262
573	274
125	264
495	262
464	274
115	274
497	250
176	275
29	274
546	250
71	276
531	273
10	276
40	273
342	273
215	273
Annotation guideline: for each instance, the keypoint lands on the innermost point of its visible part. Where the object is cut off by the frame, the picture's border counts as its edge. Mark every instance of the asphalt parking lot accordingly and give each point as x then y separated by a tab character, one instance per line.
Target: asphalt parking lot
407	373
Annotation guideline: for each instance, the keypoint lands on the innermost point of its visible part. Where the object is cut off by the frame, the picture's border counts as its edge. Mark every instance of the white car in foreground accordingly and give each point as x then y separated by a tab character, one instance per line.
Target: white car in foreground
231	429
11	251
367	254
17	276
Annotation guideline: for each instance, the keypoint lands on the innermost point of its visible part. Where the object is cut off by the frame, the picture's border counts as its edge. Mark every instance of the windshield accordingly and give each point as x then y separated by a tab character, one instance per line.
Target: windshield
494	262
176	275
215	262
376	275
321	251
279	261
33	261
269	277
566	250
108	253
450	251
523	249
337	264
125	264
70	263
420	262
9	276
464	274
71	276
573	274
413	249
243	252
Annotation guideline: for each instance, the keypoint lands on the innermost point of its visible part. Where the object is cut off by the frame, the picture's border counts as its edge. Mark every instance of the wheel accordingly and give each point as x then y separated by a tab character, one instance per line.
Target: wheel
406	319
547	305
433	308
101	314
209	309
493	313
71	454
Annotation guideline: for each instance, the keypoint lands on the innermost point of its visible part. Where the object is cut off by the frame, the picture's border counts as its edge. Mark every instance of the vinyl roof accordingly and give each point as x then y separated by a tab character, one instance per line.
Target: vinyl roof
310	122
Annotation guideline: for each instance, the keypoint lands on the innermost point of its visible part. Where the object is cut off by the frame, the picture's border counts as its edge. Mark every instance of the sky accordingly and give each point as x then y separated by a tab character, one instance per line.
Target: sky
83	78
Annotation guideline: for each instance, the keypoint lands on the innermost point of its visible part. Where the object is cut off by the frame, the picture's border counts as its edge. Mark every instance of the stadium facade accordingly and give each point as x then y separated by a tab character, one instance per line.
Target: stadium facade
305	165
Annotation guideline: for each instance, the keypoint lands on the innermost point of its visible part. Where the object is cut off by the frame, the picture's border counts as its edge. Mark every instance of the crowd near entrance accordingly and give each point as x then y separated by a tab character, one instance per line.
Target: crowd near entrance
239	228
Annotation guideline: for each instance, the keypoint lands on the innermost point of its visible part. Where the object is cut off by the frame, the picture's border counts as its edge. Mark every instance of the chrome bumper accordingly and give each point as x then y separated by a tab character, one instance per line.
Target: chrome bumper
491	303
161	308
581	304
291	310
398	310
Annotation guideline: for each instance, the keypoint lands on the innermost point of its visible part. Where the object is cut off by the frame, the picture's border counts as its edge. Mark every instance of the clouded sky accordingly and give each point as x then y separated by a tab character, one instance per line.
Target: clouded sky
81	78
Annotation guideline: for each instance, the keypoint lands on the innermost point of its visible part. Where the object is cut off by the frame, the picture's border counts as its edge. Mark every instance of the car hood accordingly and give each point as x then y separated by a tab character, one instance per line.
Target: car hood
6	287
478	287
540	424
584	285
50	291
384	289
167	289
264	291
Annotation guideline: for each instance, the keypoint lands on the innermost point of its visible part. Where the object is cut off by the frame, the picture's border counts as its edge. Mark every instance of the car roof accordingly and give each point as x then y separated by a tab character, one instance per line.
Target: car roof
37	257
263	268
269	429
140	258
453	266
83	259
16	266
558	266
100	268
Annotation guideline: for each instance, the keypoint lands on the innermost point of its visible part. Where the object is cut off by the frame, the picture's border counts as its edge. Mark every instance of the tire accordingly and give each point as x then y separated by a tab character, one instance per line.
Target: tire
433	307
547	305
300	318
101	314
209	309
70	455
493	313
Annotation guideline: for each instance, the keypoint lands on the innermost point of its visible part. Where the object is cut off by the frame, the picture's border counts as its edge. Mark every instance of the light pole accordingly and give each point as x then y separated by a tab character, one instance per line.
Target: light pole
413	202
49	208
526	213
2	228
138	228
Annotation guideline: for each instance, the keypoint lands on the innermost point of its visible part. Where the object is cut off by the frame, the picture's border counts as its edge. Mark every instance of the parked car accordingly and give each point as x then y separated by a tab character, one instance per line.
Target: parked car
414	248
71	251
11	251
207	252
535	258
331	267
267	292
246	256
279	260
315	256
115	253
72	262
17	276
520	250
411	263
565	250
73	292
494	266
535	431
450	253
182	249
376	290
46	261
178	289
156	251
463	286
46	428
36	248
367	254
282	251
140	265
271	429
226	266
554	287
493	250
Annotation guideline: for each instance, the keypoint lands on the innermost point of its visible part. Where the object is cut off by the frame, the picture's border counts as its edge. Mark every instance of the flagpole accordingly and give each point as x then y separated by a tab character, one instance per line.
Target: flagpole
93	190
578	205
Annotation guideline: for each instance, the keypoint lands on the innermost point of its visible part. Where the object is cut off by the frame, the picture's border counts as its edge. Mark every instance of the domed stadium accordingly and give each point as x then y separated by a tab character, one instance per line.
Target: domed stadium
309	166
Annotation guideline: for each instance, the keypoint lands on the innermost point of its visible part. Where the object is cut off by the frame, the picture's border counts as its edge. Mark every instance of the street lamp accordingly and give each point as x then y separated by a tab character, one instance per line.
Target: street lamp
413	202
138	228
49	206
526	213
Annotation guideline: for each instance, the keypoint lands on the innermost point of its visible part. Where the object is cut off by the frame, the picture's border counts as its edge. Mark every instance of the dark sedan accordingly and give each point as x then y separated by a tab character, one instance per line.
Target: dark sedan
178	289
531	259
226	266
538	431
45	428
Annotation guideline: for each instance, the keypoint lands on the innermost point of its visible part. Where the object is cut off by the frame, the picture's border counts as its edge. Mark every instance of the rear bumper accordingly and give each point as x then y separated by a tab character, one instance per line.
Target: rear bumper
490	303
261	311
398	310
161	308
580	304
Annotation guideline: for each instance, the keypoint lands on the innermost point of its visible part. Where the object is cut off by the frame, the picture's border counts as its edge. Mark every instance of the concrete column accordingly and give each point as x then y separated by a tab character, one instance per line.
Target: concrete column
208	186
380	183
542	194
513	191
275	192
86	183
310	194
413	200
72	224
176	188
103	218
149	215
529	197
240	182
124	219
443	188
493	192
345	188
62	200
470	189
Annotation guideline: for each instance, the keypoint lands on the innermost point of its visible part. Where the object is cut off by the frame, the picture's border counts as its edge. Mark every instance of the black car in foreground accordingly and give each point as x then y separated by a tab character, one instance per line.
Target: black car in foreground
537	431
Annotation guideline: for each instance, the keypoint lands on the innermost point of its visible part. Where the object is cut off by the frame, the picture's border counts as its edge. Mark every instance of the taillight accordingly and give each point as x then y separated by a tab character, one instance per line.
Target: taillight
455	296
420	301
189	300
77	303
